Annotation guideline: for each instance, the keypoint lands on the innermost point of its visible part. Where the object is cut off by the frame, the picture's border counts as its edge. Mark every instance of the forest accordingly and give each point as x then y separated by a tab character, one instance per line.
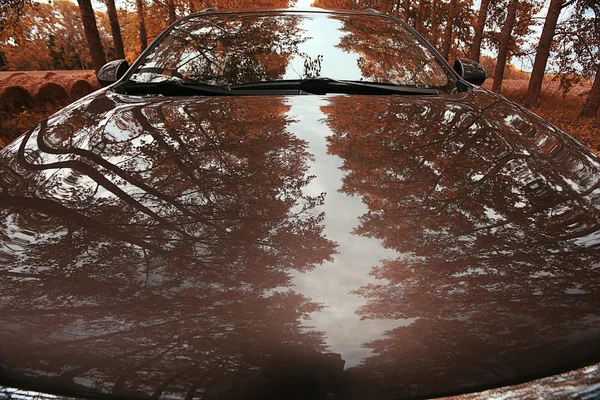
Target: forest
560	38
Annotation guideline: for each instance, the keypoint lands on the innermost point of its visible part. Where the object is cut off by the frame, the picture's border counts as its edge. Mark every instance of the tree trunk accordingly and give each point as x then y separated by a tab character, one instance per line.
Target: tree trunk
406	10
91	33
481	19
420	18
172	16
448	31
115	29
505	37
543	51
592	104
434	27
139	5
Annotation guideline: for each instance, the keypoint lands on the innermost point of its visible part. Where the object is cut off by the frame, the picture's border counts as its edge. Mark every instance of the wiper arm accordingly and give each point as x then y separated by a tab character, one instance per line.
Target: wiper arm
392	87
171	87
328	85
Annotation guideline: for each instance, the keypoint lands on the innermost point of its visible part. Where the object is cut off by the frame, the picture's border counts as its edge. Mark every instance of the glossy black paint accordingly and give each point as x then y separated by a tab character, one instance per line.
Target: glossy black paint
111	72
168	246
297	247
470	71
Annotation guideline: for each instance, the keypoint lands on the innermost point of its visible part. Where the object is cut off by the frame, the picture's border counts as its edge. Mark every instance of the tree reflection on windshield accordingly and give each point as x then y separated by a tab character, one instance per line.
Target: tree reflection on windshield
232	49
388	52
222	50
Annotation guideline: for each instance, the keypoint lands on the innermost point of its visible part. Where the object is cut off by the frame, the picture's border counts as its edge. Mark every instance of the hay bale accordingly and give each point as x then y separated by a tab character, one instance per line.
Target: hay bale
91	78
49	76
52	94
27	81
80	88
20	79
94	82
14	99
13	76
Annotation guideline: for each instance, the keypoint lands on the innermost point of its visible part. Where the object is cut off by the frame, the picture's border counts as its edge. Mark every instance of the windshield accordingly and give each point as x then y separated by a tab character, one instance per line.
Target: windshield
230	49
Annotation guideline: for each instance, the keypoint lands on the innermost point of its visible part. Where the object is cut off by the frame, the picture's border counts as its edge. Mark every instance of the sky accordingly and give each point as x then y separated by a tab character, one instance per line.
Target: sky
333	282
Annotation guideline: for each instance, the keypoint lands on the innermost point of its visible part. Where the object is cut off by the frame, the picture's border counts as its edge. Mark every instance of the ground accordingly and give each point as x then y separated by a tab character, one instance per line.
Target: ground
560	110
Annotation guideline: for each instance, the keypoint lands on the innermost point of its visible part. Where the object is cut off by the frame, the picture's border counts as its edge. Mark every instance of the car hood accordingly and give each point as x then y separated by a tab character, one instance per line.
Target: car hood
303	247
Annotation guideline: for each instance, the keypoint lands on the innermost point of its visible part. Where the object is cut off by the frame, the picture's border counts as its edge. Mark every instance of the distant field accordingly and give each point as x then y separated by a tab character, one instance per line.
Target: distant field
561	110
509	85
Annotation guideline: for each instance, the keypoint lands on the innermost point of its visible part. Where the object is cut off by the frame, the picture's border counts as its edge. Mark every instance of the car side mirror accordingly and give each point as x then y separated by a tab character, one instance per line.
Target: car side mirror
470	71
112	72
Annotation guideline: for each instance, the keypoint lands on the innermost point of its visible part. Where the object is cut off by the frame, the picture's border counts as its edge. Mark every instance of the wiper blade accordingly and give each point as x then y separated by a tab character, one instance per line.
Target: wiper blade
393	87
328	85
171	87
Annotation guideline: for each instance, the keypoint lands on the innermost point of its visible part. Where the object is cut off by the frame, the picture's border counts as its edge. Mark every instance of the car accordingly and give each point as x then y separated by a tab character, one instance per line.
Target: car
294	204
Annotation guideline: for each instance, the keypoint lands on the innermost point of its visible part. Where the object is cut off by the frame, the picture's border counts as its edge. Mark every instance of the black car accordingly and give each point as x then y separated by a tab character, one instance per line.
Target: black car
295	205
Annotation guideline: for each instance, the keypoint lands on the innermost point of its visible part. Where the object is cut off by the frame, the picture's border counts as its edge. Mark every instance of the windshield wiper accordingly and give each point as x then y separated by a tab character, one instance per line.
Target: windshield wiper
173	87
328	85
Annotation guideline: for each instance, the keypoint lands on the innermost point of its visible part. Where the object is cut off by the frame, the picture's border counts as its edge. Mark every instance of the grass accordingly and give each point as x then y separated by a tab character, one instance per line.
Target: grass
558	109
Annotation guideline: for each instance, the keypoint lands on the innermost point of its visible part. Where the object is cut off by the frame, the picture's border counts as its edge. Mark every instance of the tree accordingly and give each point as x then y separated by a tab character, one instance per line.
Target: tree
534	89
171	12
434	24
91	33
26	48
51	36
420	17
576	44
380	48
115	28
10	13
592	103
231	51
191	6
425	16
522	28
478	37
406	10
170	6
587	48
447	39
139	7
505	38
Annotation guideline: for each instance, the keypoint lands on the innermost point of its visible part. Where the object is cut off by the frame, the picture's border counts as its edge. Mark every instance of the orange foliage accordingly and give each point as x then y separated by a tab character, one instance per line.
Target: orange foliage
559	108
